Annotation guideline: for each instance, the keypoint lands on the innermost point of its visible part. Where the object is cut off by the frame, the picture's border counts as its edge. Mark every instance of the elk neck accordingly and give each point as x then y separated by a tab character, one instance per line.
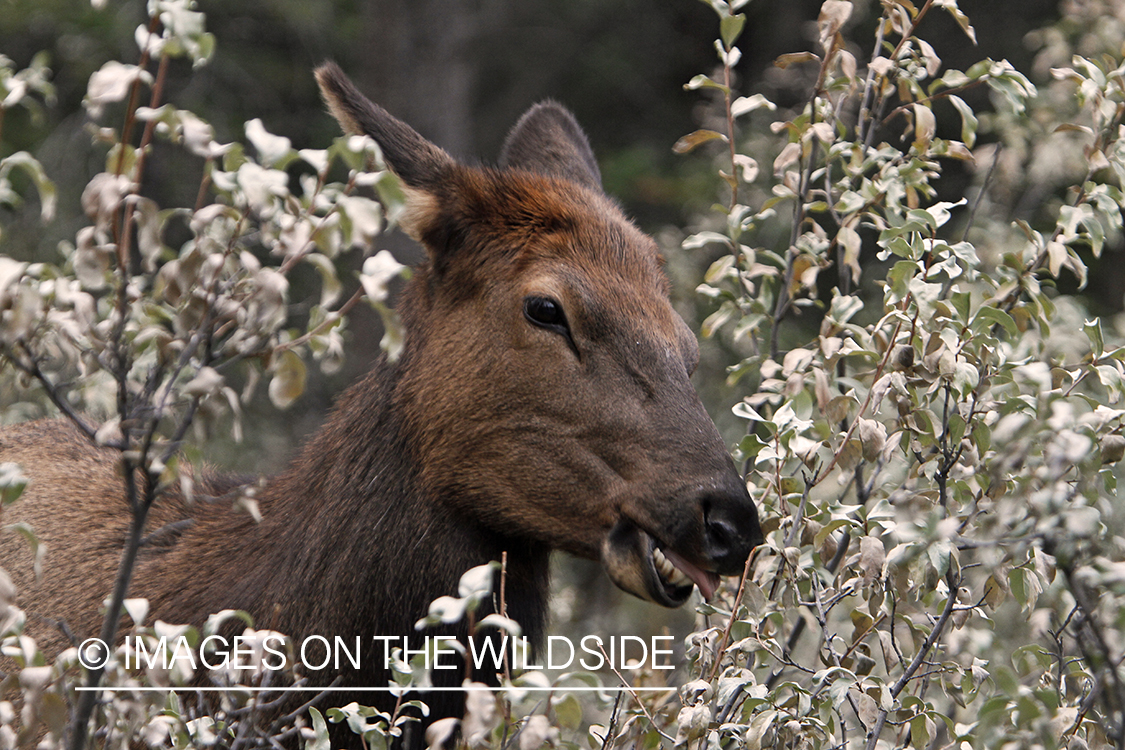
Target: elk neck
356	540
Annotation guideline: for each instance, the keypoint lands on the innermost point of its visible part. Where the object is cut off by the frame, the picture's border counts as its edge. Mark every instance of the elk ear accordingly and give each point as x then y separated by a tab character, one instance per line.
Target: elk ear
549	141
421	165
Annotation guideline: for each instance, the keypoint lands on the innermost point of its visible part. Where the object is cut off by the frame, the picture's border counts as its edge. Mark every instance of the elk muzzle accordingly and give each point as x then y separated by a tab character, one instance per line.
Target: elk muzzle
663	565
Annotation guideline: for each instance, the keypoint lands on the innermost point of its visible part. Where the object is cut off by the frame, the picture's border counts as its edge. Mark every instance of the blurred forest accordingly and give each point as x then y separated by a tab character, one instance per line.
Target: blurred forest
461	72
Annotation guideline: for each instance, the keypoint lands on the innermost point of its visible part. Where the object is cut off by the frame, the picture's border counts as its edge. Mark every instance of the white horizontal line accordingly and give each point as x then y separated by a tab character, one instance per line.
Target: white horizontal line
291	689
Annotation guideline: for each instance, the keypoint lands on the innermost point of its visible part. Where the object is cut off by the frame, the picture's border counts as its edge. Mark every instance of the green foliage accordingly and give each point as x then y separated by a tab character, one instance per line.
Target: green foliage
124	306
154	316
936	467
12	483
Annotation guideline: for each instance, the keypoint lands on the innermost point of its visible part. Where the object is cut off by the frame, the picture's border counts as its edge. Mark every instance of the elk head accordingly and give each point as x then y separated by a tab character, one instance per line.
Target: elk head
546	376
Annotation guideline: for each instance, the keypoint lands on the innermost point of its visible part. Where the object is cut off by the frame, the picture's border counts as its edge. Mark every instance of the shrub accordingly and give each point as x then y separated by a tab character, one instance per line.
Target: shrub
934	440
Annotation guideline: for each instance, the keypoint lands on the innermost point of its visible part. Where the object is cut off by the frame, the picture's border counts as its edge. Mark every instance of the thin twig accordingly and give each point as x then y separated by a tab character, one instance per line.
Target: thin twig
31	367
331	319
610	729
733	616
636	697
909	673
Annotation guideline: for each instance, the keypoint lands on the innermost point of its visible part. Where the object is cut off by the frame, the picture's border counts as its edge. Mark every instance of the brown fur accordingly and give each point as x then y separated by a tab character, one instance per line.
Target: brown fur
491	434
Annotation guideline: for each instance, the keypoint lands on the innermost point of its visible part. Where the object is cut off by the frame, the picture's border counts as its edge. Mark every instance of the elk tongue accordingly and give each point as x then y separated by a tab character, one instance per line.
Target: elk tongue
707	581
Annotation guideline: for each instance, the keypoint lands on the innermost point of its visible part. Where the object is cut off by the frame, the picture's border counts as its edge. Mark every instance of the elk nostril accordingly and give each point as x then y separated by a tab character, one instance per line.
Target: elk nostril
731	531
721	536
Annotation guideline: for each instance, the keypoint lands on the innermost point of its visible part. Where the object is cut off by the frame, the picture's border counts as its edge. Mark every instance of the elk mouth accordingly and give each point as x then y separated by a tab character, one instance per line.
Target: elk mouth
677	573
638	564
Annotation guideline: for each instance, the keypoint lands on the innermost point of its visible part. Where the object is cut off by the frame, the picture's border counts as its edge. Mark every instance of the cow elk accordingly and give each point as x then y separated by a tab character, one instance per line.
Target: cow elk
542	402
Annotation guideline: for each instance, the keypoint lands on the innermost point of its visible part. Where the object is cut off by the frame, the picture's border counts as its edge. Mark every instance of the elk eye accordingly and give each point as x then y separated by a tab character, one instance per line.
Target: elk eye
545	313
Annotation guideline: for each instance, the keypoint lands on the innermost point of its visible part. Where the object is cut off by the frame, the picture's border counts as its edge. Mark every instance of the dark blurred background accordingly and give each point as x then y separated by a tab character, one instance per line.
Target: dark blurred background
461	72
